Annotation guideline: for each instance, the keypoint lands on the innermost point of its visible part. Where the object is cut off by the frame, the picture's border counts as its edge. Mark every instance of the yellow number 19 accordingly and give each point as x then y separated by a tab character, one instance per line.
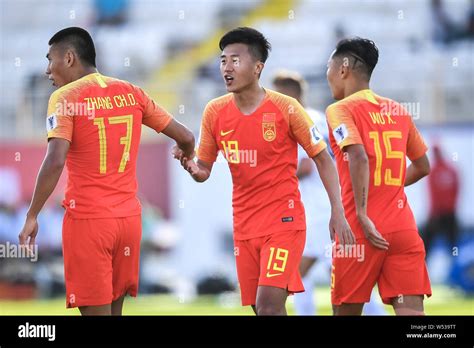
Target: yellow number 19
281	255
126	141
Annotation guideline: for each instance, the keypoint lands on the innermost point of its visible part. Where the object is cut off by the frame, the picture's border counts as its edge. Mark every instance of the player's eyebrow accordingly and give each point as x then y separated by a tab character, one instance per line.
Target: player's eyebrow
231	55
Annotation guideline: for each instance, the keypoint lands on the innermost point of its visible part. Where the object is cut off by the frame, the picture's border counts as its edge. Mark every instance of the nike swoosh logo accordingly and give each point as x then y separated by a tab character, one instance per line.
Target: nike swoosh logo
269	275
223	134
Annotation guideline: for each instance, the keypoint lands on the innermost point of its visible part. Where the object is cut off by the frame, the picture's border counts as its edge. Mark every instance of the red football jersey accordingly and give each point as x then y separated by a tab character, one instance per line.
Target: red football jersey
101	117
261	151
389	135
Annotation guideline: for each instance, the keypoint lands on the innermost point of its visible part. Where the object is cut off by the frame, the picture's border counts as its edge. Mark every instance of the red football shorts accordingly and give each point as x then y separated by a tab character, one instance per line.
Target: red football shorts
101	259
400	270
271	260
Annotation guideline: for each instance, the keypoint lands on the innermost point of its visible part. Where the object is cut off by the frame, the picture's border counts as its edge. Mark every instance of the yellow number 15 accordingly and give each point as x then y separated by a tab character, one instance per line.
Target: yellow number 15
126	141
389	154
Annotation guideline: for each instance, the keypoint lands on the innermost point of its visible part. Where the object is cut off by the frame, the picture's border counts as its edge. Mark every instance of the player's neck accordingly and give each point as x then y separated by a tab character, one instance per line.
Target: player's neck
355	87
249	100
80	73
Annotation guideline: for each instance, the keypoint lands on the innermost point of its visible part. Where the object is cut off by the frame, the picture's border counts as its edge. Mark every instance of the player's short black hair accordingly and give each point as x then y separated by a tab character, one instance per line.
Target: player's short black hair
80	40
257	43
364	53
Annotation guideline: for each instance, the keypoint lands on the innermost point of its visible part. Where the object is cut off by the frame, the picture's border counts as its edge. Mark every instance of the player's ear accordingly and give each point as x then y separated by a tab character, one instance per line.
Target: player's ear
69	58
344	68
259	67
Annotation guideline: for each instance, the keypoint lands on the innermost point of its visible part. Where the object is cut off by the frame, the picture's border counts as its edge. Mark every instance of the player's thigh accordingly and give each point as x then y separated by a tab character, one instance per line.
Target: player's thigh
348	309
95	310
408	305
280	257
248	268
404	272
271	300
87	248
126	256
117	305
355	271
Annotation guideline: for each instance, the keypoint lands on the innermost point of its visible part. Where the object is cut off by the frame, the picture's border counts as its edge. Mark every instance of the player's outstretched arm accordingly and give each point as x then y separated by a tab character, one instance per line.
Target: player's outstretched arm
338	224
47	179
417	170
183	136
359	171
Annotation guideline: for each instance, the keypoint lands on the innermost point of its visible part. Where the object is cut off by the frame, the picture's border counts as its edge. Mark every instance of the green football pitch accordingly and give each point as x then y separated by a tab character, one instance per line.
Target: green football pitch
445	301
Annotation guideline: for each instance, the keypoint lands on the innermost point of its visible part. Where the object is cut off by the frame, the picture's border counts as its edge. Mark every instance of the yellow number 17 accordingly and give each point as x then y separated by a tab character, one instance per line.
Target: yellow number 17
389	154
126	141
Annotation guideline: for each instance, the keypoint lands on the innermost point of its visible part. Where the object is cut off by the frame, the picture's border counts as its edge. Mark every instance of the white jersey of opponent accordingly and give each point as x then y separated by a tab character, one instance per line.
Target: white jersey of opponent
316	202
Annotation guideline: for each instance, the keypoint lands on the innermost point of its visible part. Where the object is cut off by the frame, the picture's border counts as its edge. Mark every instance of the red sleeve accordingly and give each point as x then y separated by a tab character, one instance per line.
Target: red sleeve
305	131
58	123
207	148
154	116
416	146
342	125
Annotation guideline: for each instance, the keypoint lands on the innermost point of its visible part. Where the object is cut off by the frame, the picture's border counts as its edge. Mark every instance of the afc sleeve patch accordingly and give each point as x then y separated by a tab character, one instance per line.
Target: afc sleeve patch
316	137
51	122
340	133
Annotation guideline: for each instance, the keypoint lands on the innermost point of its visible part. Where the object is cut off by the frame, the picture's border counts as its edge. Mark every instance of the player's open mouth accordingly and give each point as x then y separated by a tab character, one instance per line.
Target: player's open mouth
228	79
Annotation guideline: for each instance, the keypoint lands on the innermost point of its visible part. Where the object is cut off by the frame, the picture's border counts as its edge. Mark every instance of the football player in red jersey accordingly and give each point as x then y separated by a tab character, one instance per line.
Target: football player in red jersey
371	136
94	127
252	122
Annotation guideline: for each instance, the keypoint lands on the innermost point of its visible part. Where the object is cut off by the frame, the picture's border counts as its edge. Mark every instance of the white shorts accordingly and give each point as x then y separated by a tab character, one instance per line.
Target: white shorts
318	241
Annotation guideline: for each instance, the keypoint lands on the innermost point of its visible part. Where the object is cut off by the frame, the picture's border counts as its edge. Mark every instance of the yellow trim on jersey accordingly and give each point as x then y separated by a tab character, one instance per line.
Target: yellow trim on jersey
100	80
370	96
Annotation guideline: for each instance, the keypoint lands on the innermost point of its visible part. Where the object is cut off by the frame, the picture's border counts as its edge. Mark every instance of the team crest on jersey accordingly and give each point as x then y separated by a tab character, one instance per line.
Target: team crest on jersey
269	127
51	122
